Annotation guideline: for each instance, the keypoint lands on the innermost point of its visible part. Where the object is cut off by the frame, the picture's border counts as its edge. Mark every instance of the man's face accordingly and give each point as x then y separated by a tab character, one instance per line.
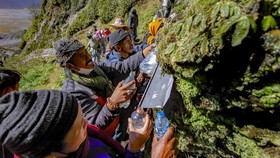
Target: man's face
126	46
82	59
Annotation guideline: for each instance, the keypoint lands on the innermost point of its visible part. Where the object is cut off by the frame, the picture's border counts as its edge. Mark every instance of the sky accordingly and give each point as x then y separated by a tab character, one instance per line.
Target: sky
17	4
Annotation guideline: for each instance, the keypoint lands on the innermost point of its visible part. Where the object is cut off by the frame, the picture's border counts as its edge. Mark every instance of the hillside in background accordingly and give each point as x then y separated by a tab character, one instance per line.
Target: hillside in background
67	19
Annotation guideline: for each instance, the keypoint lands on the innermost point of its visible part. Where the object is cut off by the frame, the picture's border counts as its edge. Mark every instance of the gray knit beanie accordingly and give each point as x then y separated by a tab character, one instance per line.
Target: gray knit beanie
34	123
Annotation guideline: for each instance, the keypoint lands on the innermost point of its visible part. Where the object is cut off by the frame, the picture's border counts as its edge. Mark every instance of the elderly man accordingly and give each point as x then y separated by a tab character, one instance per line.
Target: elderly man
90	84
123	51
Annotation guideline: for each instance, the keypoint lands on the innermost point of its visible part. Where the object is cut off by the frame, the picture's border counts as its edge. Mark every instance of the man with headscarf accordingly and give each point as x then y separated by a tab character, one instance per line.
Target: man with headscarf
91	84
50	123
154	26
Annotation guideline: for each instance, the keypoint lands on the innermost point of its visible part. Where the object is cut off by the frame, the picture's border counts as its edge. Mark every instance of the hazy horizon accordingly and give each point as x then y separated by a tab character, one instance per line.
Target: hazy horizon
14	20
17	4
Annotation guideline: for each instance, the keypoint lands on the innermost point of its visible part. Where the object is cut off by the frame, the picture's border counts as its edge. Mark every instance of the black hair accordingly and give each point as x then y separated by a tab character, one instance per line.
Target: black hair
8	78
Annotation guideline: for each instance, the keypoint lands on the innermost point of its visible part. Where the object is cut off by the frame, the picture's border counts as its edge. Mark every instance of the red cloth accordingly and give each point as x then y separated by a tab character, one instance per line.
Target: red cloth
112	127
107	32
114	124
101	101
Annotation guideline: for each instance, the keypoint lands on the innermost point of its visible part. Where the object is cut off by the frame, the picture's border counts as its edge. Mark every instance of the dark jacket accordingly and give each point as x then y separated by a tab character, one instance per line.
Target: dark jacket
133	19
92	110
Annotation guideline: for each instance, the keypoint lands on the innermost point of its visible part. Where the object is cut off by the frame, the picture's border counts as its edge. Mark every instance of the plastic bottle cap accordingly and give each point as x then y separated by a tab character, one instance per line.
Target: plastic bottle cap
160	114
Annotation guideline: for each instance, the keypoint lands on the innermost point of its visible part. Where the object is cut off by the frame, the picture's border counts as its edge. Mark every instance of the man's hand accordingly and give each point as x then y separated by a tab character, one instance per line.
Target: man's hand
147	50
138	138
140	77
164	148
121	95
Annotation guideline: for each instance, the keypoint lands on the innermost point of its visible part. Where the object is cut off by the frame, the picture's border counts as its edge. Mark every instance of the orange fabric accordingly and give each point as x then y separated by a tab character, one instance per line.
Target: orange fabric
112	127
153	29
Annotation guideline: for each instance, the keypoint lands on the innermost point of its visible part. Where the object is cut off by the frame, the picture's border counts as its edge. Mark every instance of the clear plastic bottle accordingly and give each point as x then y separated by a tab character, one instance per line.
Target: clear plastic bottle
161	124
128	79
148	65
138	118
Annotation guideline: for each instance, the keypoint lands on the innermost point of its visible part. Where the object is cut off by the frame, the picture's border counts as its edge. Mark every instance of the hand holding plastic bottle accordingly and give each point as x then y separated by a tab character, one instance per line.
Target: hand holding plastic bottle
125	82
164	147
138	137
120	94
147	50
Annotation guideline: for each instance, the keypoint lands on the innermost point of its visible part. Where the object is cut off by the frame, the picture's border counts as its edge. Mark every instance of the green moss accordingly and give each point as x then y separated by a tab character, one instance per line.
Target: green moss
269	96
246	147
226	78
263	137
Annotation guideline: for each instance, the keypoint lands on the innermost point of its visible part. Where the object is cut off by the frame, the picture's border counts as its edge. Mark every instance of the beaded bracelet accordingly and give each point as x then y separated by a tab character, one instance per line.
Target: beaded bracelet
111	104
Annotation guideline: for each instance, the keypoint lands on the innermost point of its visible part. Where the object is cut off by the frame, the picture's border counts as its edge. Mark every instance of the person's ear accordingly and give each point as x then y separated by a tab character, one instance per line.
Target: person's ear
117	48
72	67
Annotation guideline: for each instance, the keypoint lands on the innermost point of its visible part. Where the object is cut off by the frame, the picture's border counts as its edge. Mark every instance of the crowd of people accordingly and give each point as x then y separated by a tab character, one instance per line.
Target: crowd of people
85	118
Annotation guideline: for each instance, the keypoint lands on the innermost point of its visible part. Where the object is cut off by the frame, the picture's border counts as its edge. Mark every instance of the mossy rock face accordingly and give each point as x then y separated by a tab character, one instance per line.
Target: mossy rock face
225	57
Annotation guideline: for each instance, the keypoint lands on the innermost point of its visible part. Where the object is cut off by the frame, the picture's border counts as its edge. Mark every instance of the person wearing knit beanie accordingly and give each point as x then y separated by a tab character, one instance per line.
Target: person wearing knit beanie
9	80
49	123
34	123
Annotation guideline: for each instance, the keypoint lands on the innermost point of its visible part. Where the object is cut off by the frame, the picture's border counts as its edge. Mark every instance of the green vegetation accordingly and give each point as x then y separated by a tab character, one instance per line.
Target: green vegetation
59	19
37	72
225	56
84	18
146	16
